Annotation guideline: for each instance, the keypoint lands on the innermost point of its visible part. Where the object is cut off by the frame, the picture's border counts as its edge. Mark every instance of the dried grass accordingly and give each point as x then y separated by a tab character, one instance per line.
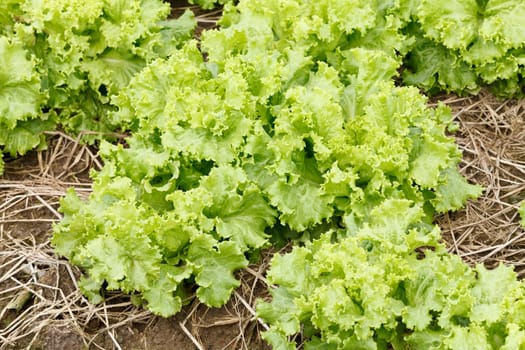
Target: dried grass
492	139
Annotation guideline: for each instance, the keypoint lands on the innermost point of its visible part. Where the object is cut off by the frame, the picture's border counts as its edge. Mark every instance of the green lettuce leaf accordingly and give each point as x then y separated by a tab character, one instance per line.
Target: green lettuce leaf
160	296
20	95
490	291
453	191
239	210
435	68
25	136
282	312
215	264
112	70
502	18
278	340
454	23
245	219
515	338
9	10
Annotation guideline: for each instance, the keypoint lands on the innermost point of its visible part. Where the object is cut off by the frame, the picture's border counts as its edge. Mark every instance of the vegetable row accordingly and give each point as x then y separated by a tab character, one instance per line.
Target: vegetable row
285	124
64	61
61	62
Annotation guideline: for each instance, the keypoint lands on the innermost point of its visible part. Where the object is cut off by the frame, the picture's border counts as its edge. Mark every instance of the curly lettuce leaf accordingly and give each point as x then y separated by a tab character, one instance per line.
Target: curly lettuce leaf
25	136
244	218
435	68
239	210
453	191
215	264
9	9
20	95
278	340
162	296
454	23
112	70
173	33
502	18
490	290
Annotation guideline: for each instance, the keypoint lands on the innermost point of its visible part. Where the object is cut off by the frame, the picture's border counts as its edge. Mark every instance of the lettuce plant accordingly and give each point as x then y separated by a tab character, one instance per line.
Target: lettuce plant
377	288
62	62
462	45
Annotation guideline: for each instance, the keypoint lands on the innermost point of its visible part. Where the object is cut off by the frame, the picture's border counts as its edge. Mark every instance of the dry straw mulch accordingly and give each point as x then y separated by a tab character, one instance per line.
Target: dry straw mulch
492	138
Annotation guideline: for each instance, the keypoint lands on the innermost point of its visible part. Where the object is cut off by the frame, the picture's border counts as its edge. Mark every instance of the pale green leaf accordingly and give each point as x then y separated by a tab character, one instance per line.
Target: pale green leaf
490	290
25	136
434	68
244	219
515	338
301	204
20	96
466	338
453	23
106	260
428	159
453	191
277	340
281	311
298	260
427	339
160	295
215	264
112	70
502	22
